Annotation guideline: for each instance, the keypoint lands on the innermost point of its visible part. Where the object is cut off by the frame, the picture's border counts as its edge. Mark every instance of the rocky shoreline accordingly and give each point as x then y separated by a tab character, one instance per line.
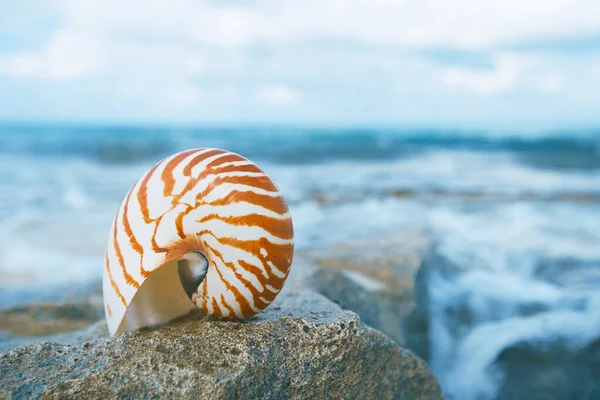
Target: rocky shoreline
355	320
304	345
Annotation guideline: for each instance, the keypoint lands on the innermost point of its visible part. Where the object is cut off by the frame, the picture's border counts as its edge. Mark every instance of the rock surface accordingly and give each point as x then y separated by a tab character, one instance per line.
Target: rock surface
550	368
374	278
303	346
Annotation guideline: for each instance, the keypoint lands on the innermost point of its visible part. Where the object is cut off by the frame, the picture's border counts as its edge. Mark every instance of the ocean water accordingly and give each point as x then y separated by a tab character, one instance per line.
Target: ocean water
496	203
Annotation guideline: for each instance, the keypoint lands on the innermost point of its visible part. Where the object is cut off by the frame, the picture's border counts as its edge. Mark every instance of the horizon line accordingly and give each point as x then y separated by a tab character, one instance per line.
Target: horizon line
449	126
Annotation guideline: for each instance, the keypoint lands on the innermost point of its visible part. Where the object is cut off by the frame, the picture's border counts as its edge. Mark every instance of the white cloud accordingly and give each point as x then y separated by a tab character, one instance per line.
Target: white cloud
66	56
510	71
182	98
278	95
457	23
351	58
550	83
504	77
195	64
101	35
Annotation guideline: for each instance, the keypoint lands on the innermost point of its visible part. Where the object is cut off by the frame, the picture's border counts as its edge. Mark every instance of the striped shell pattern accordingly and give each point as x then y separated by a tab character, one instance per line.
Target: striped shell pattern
201	201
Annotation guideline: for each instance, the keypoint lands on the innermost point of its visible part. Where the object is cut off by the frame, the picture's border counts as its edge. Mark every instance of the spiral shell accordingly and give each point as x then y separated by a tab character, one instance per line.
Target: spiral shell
203	228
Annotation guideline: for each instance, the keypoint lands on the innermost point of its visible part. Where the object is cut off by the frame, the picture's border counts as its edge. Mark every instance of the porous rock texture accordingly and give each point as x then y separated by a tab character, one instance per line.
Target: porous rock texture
303	346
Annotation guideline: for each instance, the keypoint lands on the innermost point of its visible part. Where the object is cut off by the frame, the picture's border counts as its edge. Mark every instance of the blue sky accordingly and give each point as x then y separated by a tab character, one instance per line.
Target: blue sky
355	62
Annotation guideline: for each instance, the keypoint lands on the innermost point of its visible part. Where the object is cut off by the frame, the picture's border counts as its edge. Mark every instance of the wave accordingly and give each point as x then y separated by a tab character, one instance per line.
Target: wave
576	150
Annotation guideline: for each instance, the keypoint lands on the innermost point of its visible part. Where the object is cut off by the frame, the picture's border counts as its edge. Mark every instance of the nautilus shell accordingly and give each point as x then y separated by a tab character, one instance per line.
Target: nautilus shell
203	228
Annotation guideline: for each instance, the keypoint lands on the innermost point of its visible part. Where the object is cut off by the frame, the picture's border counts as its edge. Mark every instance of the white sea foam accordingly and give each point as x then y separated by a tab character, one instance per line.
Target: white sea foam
472	377
444	169
500	292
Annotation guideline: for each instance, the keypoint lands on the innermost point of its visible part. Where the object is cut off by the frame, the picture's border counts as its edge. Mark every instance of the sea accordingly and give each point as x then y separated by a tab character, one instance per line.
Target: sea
496	202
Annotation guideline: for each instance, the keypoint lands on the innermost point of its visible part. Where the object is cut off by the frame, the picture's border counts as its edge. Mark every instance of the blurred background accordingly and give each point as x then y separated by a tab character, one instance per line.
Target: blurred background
476	120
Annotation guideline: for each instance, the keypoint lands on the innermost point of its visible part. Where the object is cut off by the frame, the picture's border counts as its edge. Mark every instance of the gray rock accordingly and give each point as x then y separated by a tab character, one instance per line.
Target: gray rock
373	277
549	369
303	346
418	323
386	281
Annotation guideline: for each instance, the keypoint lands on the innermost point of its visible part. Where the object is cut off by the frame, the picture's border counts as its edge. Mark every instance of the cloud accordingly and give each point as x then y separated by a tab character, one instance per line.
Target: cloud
195	64
503	77
550	83
278	95
508	72
184	97
103	35
65	56
428	23
313	59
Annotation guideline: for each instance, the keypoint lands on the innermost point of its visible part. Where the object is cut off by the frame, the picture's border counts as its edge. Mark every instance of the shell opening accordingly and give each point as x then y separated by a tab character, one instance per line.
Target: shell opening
192	270
166	293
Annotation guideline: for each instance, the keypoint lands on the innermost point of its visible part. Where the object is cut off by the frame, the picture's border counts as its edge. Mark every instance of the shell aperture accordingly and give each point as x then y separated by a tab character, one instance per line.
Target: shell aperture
203	228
